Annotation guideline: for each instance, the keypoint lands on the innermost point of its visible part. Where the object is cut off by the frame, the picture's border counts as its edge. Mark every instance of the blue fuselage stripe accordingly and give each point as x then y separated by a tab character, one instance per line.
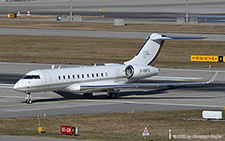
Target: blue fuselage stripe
143	46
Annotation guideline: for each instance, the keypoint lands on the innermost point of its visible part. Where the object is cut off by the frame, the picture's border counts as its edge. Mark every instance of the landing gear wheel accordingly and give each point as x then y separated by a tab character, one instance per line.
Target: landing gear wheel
28	100
88	95
112	95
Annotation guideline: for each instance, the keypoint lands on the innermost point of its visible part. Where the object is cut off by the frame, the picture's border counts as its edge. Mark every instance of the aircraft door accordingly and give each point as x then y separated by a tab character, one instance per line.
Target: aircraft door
48	79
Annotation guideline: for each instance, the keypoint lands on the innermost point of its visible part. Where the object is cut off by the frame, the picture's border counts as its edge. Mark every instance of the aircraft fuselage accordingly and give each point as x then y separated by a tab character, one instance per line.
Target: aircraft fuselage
70	79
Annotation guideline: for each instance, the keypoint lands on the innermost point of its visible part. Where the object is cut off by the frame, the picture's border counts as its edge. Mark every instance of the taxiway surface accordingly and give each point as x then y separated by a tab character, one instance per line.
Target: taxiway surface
149	6
146	99
142	11
105	34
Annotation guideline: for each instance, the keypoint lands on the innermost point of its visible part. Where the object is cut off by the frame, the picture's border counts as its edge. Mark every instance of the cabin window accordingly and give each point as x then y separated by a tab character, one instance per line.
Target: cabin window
68	77
31	77
102	74
96	74
106	74
64	77
82	75
78	76
59	77
73	77
93	75
87	75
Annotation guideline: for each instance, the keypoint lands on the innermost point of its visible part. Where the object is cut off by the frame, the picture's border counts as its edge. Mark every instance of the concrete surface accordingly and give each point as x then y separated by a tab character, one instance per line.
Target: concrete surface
142	11
12	103
150	6
108	34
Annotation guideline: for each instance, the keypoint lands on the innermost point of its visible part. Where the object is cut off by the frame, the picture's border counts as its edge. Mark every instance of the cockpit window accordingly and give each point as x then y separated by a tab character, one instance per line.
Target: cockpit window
31	77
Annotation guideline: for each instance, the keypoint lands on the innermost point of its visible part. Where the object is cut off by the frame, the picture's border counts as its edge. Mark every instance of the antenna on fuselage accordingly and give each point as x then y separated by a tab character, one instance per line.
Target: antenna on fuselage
53	66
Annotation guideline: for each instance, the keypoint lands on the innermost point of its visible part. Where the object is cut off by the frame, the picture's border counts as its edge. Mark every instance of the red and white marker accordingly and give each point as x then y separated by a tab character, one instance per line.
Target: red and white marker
145	132
28	12
18	14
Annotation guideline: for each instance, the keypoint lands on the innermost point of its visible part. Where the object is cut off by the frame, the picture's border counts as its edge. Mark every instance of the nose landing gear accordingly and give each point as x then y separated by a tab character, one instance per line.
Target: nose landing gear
28	99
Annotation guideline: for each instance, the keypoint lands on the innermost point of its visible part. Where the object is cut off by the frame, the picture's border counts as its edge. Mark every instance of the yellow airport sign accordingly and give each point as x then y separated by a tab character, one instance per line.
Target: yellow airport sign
12	15
205	58
41	130
199	58
220	59
212	58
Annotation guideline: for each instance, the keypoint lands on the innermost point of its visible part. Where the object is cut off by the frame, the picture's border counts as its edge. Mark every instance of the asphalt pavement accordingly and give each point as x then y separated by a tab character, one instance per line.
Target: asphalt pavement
12	103
105	34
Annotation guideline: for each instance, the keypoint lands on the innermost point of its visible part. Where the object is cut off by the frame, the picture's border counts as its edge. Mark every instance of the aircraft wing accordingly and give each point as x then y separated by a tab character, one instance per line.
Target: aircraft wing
99	87
8	86
168	78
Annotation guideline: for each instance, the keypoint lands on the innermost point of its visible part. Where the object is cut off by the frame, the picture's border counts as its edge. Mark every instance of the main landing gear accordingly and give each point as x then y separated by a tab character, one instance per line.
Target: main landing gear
88	95
112	94
28	99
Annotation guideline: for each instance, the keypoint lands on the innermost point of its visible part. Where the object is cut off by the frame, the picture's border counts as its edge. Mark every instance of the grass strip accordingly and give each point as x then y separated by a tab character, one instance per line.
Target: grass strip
117	126
91	50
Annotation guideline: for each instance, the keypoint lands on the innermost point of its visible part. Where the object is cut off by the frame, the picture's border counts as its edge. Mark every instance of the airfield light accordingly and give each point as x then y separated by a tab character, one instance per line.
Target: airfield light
71	10
170	134
186	11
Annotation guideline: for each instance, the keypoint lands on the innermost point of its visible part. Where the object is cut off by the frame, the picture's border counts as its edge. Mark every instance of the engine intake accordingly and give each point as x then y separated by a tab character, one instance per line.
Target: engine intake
129	71
140	71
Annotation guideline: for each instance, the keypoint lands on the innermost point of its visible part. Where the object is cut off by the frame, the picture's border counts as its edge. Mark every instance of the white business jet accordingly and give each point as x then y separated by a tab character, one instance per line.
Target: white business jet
105	78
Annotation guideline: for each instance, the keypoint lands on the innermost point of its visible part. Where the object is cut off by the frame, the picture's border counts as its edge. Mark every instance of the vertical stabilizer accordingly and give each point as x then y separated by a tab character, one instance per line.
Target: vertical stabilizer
149	51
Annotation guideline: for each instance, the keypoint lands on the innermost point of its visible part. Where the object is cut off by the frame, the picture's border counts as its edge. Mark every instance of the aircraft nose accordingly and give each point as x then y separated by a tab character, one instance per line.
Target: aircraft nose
17	86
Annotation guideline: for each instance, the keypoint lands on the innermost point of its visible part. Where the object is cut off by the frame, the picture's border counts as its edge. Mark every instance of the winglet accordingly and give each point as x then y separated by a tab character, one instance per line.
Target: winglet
212	78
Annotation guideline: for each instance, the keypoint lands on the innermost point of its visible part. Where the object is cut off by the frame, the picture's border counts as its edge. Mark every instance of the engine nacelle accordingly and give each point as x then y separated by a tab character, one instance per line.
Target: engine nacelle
73	88
134	72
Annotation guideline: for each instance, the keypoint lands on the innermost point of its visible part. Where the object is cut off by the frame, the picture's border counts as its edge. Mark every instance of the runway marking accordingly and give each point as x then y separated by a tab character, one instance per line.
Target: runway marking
156	103
87	100
147	95
2	106
6	86
119	101
38	103
77	100
23	97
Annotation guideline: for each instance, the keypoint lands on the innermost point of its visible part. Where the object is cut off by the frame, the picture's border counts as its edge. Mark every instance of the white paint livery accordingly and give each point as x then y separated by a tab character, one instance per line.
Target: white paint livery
107	77
148	53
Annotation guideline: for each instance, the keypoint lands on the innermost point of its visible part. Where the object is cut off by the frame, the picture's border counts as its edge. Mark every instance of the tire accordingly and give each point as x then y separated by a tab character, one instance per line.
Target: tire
88	95
112	95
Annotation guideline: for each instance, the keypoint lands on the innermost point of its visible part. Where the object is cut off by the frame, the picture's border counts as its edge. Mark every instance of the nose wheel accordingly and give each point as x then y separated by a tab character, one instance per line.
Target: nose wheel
28	99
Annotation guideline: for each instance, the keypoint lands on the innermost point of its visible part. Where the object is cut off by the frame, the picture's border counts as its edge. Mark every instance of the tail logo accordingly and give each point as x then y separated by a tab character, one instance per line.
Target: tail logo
146	54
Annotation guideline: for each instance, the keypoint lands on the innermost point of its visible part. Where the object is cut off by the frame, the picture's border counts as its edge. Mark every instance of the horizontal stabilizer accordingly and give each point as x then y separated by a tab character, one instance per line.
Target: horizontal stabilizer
147	55
177	38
